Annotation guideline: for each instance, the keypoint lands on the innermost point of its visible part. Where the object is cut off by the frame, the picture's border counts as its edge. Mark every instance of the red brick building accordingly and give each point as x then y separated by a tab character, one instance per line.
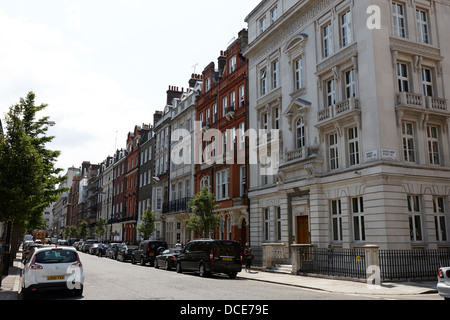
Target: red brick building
222	114
131	184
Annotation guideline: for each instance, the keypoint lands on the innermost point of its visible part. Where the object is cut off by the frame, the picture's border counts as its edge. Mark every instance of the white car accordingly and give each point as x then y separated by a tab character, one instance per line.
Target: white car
51	268
443	285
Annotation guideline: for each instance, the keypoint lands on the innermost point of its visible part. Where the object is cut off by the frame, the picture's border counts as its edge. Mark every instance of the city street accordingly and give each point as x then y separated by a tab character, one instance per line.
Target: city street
107	279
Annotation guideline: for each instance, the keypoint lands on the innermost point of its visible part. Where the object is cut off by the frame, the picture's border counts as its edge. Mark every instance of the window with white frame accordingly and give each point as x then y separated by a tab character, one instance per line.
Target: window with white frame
409	154
327	40
346	29
222	185
207	84
241	96
224	105
353	146
350	84
233	99
262	24
276	118
266	213
243	180
402	77
359	230
263	82
433	144
298	73
273	15
422	26
427	82
440	219
158	199
214	108
333	151
398	13
232	63
205	182
300	133
336	220
241	135
415	218
278	215
331	92
275	74
265	121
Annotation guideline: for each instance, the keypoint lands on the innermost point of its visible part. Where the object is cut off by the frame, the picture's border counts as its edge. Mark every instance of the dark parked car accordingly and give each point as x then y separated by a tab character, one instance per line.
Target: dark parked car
147	251
125	253
30	249
168	258
87	245
113	250
211	256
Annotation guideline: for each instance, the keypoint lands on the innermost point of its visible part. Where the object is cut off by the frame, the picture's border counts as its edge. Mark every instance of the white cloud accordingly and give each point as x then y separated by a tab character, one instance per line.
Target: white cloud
88	107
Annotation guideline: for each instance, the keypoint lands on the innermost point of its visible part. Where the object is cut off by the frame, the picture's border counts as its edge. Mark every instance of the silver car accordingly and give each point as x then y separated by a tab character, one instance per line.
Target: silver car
51	268
443	285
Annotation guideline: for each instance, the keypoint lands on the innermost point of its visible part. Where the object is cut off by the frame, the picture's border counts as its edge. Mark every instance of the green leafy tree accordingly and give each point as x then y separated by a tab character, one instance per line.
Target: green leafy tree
83	230
204	219
100	227
28	177
147	227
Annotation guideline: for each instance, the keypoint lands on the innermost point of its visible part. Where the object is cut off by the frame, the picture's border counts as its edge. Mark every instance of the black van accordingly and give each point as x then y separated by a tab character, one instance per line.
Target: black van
211	256
147	251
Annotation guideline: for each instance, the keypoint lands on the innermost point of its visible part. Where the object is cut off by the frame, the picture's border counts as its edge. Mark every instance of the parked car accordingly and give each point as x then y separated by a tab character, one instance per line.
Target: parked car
147	251
168	258
30	249
87	245
79	245
52	268
94	248
125	253
113	249
211	256
443	285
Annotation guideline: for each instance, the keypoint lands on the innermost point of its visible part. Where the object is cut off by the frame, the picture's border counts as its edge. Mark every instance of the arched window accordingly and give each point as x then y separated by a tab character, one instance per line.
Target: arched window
205	182
300	133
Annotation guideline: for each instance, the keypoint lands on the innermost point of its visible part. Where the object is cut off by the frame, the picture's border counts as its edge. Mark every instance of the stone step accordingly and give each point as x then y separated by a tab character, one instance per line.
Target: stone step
281	268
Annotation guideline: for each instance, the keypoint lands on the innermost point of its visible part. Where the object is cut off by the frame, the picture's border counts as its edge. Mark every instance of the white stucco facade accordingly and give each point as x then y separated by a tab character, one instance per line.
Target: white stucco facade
362	116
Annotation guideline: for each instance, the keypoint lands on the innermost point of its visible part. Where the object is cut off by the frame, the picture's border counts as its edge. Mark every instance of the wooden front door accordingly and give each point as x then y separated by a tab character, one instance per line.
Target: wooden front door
302	230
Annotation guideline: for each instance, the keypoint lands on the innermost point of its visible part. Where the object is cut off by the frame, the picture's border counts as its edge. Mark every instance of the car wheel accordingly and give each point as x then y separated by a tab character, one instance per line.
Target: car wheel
133	261
179	267
202	270
232	275
167	266
156	264
142	261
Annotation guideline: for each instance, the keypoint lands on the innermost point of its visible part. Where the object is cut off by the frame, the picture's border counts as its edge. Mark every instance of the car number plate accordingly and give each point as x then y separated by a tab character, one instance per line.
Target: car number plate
227	259
56	278
151	254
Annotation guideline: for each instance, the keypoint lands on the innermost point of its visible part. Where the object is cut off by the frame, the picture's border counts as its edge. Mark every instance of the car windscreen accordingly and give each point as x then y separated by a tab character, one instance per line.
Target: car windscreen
56	256
226	248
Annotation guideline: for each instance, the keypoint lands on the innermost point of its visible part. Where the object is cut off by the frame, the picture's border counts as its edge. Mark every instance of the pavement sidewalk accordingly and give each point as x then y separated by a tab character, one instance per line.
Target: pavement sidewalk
11	283
342	286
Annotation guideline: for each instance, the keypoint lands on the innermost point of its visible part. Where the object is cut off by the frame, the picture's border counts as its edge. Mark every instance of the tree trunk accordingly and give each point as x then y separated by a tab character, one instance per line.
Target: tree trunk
17	231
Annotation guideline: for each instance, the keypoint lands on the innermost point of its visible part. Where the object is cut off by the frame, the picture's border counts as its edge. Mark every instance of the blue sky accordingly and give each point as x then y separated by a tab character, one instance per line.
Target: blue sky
103	66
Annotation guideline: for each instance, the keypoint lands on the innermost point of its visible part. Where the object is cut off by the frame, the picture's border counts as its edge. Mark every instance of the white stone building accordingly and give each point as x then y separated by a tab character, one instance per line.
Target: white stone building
362	115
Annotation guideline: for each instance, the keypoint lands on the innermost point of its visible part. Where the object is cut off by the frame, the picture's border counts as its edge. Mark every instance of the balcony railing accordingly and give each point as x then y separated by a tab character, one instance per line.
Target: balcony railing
338	109
295	154
417	100
178	205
